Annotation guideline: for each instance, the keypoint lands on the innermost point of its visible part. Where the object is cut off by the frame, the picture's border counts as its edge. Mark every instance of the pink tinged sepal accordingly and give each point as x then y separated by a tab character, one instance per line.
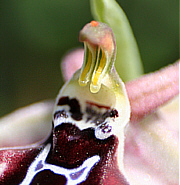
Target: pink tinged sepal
71	62
151	147
151	91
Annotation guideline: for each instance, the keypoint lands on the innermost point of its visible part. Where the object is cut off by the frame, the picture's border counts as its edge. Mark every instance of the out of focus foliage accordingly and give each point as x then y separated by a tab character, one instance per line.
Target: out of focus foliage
35	35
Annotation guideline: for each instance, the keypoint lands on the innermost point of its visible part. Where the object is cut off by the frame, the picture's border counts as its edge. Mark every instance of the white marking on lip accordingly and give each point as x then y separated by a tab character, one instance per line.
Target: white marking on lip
74	176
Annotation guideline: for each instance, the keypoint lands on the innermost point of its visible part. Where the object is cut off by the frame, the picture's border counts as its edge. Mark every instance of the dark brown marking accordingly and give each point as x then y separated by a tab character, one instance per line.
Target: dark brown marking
63	101
61	113
99	118
75	109
114	113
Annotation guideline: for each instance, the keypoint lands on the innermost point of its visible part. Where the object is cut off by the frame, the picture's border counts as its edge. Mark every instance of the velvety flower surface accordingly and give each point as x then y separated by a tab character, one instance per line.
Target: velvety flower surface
151	141
90	136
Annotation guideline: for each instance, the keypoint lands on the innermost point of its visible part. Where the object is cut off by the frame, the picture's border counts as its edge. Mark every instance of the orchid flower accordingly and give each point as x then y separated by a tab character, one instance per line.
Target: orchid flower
100	131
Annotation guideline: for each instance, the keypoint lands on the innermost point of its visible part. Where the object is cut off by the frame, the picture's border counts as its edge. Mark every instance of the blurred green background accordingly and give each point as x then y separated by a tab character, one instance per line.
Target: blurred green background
36	34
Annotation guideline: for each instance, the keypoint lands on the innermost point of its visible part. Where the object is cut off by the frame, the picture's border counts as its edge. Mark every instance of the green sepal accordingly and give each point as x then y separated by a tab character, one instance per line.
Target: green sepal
128	61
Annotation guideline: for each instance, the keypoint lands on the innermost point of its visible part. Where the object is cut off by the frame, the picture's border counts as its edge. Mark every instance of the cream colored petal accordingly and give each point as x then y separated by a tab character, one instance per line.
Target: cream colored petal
26	126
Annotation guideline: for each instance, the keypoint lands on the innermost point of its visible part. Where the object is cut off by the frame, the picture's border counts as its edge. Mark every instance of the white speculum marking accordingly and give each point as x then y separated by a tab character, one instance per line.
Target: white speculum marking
99	117
73	176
